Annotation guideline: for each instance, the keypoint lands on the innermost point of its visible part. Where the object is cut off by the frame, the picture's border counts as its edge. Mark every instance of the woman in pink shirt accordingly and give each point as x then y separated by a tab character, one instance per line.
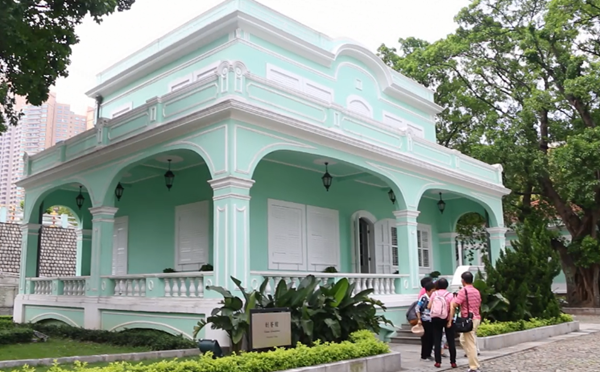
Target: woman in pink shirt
439	306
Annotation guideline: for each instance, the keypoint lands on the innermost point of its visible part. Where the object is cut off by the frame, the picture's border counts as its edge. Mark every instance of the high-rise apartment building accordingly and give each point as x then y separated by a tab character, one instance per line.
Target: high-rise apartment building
40	127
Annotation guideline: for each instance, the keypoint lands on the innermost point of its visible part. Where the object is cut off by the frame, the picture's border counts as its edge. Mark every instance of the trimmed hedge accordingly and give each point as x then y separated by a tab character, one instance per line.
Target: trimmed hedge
152	339
15	336
362	344
12	333
499	328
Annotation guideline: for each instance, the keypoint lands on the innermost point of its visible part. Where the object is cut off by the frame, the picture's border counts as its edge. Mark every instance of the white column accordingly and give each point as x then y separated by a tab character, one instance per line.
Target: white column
497	241
102	239
408	251
231	231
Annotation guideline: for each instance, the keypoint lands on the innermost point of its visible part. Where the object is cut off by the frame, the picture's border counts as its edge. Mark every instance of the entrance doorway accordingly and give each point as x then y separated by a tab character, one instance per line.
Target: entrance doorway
365	231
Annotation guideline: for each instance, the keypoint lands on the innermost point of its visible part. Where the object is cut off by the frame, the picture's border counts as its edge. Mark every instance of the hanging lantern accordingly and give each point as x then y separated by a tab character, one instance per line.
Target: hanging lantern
80	199
441	204
119	191
392	196
169	177
327	178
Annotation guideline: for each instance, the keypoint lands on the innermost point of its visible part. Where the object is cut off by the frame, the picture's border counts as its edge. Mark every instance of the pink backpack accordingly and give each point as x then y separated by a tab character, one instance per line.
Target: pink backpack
439	306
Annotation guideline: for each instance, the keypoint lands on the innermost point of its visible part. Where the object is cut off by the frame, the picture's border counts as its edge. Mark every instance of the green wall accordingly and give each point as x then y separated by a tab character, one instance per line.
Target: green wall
296	185
150	207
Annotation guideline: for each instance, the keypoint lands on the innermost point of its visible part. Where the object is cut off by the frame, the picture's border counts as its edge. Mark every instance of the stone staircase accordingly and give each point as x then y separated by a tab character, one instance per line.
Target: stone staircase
405	336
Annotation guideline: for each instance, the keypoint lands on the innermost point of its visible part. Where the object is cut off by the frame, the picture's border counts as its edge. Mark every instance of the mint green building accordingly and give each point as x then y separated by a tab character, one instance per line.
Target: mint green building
247	141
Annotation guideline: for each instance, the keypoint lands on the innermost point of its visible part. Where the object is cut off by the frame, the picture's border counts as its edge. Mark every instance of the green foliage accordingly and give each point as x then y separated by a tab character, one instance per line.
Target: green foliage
524	275
361	345
35	46
488	328
434	274
169	270
330	269
518	82
319	312
206	267
492	302
15	335
233	317
148	338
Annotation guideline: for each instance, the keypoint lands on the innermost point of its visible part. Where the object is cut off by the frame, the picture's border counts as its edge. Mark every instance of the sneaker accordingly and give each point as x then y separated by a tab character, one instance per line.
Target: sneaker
437	365
453	365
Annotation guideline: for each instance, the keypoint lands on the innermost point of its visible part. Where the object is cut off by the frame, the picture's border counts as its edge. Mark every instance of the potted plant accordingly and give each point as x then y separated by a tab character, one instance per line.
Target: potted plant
169	270
330	269
206	267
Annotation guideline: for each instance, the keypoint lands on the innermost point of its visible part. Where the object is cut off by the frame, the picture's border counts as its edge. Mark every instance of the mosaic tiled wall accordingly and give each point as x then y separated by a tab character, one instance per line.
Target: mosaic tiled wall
10	248
58	253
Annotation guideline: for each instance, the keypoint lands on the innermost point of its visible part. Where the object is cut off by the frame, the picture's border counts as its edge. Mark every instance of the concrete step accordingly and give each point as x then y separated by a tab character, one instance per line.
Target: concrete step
406	340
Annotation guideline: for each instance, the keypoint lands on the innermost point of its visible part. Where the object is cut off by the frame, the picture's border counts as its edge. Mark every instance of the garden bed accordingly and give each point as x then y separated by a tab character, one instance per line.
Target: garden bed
364	352
494	336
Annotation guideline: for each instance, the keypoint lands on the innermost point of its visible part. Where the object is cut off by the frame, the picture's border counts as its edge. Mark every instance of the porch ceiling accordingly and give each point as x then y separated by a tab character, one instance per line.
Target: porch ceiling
341	170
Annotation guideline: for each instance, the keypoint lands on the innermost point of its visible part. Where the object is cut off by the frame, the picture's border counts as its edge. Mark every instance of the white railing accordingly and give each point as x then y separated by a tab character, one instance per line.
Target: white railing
382	284
42	286
129	285
73	286
181	285
64	286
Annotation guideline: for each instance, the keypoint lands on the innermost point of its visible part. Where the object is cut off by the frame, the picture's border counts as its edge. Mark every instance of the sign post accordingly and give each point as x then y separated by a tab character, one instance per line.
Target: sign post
270	328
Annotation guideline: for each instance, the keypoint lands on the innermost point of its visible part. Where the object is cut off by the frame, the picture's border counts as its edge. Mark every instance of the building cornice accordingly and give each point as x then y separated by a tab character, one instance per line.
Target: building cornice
233	108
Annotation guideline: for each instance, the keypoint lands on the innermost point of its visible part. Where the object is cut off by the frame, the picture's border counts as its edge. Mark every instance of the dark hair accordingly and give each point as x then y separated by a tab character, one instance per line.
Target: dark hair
467	277
441	283
426	280
429	286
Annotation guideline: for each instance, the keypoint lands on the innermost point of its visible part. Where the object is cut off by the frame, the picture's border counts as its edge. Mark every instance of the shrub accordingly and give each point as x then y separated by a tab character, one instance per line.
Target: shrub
152	339
524	275
364	345
15	336
327	313
488	328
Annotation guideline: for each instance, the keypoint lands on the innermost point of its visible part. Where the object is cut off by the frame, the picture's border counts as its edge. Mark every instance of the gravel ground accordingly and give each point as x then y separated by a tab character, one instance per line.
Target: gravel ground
576	354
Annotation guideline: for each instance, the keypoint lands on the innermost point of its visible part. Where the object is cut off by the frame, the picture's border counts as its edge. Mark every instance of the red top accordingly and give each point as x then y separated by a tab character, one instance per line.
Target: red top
474	302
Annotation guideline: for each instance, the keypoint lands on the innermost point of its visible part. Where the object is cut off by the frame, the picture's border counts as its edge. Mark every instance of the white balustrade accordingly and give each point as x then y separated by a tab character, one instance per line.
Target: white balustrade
129	286
42	286
73	286
382	284
183	284
179	285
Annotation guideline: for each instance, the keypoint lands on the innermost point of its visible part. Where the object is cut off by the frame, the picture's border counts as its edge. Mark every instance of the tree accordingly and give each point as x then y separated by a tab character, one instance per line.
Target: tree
35	46
524	274
519	82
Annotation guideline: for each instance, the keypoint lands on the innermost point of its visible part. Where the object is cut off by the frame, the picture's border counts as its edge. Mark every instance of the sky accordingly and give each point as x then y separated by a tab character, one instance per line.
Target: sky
370	23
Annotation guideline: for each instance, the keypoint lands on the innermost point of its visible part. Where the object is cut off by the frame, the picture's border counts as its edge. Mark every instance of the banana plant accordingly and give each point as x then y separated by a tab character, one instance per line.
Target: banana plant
233	316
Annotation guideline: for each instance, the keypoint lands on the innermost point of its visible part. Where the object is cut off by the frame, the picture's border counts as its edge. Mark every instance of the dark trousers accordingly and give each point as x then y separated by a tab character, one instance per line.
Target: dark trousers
439	326
427	340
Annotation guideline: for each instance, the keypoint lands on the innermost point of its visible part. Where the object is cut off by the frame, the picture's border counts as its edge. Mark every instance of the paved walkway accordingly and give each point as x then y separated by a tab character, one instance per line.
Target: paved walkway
576	351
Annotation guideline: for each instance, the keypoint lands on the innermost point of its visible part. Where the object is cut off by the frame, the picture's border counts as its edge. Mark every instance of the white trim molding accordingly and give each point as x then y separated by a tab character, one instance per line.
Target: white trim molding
227	182
497	232
103	211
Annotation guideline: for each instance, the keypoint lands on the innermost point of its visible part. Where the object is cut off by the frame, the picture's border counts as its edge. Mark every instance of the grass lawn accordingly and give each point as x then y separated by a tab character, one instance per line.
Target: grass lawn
56	348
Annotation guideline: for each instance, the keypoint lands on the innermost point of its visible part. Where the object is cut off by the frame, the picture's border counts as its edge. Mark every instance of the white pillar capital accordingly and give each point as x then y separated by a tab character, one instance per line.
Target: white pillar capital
103	211
497	232
406	214
231	182
30	228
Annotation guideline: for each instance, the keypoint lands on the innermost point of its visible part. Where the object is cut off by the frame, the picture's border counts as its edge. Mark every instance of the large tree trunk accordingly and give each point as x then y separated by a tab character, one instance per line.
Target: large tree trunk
583	285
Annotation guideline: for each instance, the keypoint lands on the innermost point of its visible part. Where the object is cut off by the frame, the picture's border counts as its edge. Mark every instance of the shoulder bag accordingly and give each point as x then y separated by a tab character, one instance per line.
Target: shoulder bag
464	325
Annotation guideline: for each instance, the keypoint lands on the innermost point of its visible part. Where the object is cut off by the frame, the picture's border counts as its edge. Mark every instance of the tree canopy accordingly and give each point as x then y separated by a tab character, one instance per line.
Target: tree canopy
519	82
35	46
